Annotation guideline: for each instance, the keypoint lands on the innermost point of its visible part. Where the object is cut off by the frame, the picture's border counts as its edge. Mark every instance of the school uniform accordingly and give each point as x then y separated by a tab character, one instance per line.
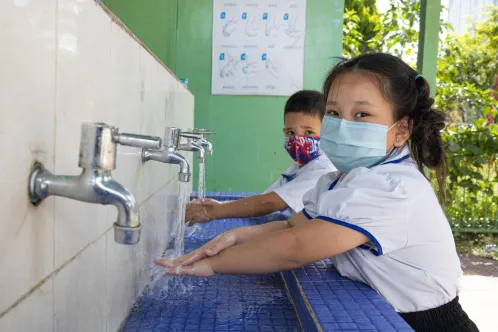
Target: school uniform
296	181
411	259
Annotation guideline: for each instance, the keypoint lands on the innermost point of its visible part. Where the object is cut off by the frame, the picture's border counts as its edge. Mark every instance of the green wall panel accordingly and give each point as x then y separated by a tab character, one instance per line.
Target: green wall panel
153	22
248	152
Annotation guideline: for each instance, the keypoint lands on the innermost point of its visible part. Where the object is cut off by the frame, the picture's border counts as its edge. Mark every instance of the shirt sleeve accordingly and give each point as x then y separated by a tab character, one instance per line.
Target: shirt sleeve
275	185
292	192
372	203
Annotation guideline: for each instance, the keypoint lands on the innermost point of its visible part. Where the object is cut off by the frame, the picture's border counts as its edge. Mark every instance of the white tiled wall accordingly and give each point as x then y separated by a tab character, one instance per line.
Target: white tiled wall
63	62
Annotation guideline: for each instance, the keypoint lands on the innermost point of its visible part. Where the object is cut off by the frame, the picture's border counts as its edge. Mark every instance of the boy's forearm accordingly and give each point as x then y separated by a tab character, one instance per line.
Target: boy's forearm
254	206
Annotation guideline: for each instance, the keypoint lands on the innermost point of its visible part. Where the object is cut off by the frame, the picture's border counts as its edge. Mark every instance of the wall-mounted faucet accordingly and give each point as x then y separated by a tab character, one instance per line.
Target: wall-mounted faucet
168	153
97	158
192	144
200	138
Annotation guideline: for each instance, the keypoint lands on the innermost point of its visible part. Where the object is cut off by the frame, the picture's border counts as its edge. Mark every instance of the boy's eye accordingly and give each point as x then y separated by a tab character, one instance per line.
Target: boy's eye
308	133
290	133
332	113
361	115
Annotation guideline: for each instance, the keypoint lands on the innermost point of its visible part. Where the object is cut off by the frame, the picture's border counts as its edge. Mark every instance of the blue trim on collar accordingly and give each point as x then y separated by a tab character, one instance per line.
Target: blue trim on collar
397	161
363	231
333	184
307	215
288	177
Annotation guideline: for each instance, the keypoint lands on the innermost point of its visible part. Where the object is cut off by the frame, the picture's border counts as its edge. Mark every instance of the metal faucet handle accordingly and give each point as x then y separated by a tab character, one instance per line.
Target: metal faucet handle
138	141
190	135
203	132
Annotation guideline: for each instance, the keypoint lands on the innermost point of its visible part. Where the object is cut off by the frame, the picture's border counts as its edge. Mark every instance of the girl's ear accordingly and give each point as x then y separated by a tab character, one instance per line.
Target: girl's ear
403	133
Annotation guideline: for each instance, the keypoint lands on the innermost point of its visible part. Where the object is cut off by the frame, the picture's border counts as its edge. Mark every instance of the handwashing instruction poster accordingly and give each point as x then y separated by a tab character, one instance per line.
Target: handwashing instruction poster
258	47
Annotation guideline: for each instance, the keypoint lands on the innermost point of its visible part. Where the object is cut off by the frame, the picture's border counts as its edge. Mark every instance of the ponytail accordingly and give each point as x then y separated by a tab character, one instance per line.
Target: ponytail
426	143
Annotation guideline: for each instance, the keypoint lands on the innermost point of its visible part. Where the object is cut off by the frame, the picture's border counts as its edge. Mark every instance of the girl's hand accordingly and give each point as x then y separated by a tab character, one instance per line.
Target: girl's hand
213	247
200	268
201	211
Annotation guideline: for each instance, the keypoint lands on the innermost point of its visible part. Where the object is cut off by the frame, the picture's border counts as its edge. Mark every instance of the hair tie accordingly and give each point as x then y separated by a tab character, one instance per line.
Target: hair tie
417	77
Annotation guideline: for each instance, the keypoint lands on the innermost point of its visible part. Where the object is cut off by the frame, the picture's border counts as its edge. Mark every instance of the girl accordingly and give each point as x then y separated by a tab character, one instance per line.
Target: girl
377	217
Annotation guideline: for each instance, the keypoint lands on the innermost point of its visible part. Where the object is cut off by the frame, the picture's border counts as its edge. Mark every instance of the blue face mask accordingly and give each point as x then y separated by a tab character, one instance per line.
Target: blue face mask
349	145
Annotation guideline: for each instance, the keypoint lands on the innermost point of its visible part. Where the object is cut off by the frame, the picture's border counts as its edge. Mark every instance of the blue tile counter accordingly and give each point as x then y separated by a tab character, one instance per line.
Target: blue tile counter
220	303
313	298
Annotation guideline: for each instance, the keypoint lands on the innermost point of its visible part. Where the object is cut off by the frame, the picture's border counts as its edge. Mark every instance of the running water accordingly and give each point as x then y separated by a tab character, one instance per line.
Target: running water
179	234
161	284
201	194
202	179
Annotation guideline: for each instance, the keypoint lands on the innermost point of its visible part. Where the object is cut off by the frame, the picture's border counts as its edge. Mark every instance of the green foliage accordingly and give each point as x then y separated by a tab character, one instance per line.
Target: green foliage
361	20
467	70
472	154
464	101
395	31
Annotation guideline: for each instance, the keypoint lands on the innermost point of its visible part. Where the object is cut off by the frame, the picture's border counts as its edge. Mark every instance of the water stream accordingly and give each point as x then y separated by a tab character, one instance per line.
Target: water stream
201	194
179	234
202	179
161	284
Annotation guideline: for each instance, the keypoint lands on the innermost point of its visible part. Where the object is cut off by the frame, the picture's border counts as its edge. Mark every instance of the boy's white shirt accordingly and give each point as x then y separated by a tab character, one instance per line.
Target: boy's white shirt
304	179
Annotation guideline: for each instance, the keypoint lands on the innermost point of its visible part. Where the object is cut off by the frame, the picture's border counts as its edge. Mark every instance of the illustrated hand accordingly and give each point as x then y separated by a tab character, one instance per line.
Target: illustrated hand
200	268
213	247
200	211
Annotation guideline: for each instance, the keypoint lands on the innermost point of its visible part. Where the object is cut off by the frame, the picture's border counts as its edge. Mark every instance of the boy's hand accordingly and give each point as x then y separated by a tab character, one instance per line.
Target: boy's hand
200	268
213	247
200	211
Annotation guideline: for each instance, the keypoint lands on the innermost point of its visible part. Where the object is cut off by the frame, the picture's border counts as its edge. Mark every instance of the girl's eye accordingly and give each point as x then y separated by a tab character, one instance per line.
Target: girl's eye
332	113
361	115
308	133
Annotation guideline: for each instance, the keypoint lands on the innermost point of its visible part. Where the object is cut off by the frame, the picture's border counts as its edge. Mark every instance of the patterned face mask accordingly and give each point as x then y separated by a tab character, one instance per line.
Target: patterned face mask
303	149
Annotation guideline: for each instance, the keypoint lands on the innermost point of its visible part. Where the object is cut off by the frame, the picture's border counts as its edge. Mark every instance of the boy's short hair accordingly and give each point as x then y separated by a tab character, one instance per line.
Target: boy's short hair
309	102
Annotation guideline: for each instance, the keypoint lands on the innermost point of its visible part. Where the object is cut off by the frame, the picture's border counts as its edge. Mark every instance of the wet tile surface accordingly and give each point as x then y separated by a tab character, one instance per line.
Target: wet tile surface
260	303
220	303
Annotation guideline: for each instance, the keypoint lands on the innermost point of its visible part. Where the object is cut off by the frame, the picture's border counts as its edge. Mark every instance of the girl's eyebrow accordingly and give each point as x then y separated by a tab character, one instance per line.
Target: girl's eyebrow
363	102
358	102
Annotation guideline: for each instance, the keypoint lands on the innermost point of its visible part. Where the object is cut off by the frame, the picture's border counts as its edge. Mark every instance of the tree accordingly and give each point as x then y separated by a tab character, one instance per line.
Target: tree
366	31
361	19
467	70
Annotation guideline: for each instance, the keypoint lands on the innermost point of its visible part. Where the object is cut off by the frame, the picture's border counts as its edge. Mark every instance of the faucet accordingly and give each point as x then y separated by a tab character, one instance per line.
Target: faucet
168	153
199	137
97	158
192	145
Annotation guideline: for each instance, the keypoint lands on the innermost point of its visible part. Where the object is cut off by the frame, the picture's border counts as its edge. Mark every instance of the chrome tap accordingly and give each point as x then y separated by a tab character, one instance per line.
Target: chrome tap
168	153
97	158
199	136
192	145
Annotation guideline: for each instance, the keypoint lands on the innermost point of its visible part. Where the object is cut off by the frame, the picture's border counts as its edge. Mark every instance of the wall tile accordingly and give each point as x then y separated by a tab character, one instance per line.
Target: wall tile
33	314
125	104
120	278
83	95
80	292
27	81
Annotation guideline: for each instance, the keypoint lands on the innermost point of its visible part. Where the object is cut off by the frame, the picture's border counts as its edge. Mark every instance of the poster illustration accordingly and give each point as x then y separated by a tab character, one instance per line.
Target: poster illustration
258	47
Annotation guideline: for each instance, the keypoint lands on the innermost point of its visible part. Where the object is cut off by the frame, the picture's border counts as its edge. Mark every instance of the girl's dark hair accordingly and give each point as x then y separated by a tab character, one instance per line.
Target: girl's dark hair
309	102
409	95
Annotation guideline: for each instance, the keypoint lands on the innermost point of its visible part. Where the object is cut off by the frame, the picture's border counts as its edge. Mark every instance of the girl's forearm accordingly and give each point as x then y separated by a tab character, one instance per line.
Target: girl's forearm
287	249
270	252
254	206
245	234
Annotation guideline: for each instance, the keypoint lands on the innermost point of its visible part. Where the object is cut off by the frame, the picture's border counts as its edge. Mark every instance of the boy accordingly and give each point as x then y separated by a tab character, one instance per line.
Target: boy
303	119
